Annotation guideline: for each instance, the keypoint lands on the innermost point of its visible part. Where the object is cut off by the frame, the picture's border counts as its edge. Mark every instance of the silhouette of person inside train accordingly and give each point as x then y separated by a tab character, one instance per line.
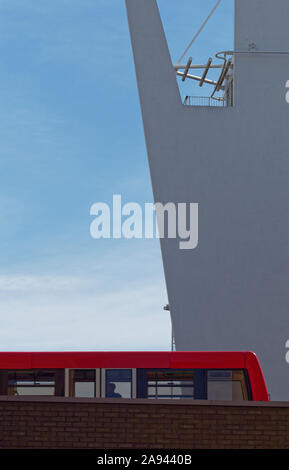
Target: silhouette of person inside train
111	391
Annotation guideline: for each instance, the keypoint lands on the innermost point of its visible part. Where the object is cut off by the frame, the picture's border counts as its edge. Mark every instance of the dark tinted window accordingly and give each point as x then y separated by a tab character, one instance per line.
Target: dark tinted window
118	383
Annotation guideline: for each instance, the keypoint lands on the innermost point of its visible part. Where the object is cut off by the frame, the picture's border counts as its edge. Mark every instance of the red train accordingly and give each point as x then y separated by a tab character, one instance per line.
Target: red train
152	375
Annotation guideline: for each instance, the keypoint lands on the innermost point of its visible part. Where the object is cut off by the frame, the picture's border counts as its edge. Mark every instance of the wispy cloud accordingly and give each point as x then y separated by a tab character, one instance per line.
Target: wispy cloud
58	313
26	284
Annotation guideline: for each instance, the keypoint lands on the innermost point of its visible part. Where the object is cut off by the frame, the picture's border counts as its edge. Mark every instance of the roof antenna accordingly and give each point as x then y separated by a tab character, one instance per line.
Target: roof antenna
198	32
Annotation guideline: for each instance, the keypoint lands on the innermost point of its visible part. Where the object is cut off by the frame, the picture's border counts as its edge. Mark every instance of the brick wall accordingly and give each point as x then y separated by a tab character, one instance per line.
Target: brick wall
35	422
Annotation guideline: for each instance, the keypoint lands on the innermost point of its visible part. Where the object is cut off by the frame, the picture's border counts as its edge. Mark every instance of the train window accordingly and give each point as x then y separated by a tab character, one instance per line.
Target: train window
31	382
82	383
176	384
118	383
227	385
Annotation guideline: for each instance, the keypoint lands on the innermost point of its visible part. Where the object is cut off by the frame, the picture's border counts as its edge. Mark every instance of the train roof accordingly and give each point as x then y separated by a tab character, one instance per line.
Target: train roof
132	359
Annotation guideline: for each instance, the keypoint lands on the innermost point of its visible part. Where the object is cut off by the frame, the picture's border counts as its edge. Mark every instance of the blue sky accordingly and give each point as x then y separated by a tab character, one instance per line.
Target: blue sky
71	135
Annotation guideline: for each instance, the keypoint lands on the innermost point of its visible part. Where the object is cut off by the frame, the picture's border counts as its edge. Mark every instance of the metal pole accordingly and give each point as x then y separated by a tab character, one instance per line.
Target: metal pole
197	67
187	69
194	77
206	72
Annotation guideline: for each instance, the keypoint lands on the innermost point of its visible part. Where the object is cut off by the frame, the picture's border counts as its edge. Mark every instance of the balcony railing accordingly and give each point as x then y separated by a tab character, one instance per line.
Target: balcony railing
203	101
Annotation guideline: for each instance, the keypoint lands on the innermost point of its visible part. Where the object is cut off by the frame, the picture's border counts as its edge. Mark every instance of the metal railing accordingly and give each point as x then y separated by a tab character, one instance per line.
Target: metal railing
203	101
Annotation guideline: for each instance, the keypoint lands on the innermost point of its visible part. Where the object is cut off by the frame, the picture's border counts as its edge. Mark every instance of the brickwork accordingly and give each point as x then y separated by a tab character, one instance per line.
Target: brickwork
34	422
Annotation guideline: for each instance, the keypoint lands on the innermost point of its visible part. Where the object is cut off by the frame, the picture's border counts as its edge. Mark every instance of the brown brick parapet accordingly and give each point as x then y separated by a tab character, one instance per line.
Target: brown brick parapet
54	422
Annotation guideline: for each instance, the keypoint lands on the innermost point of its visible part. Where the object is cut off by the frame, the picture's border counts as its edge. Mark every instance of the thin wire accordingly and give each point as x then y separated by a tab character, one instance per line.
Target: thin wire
198	32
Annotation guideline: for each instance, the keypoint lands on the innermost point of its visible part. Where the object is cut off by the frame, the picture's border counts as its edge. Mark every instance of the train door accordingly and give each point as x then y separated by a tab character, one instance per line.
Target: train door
82	383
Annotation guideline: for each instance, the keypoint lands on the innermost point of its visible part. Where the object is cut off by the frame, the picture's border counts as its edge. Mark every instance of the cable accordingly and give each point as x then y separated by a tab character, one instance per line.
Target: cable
198	32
